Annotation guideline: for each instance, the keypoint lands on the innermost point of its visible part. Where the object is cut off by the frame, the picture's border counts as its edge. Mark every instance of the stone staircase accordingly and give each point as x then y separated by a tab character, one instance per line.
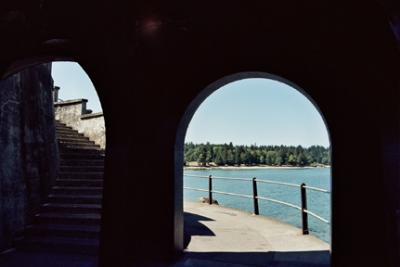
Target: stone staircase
70	220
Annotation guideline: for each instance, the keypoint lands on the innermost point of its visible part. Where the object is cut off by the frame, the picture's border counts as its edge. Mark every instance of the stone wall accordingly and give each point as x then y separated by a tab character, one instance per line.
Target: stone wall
29	153
74	114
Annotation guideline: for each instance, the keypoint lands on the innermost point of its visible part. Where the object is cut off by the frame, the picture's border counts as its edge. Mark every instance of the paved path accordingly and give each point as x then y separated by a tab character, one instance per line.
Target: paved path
215	237
222	237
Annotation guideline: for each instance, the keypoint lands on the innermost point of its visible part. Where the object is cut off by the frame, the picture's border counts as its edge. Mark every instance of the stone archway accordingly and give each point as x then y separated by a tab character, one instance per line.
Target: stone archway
194	105
54	169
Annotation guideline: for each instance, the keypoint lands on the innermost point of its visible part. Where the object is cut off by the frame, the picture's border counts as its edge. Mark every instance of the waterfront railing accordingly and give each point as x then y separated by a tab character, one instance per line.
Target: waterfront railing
304	212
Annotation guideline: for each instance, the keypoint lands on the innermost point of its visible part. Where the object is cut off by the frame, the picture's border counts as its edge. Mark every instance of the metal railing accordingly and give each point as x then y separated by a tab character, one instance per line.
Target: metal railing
255	196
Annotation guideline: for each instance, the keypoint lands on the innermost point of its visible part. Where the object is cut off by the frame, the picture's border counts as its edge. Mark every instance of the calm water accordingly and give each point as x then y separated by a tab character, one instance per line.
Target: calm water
318	202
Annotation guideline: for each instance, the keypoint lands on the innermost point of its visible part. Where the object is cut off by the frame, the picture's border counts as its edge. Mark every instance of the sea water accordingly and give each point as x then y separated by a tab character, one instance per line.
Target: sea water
318	202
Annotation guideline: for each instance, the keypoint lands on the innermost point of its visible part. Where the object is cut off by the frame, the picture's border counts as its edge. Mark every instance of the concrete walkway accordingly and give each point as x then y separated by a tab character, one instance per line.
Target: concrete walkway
222	237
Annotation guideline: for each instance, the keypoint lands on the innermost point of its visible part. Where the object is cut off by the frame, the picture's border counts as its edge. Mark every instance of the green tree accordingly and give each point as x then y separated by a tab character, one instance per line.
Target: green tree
237	156
230	157
229	154
218	159
302	159
292	160
270	158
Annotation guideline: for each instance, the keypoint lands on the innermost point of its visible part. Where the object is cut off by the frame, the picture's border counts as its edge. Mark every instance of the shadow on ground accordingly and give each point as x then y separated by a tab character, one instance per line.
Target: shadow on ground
255	259
193	226
40	259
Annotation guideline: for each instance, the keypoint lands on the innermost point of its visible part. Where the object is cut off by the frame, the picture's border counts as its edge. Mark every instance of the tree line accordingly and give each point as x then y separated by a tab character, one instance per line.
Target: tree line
235	155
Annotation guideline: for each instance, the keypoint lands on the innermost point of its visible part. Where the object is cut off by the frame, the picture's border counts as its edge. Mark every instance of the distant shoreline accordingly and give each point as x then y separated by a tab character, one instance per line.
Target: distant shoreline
252	167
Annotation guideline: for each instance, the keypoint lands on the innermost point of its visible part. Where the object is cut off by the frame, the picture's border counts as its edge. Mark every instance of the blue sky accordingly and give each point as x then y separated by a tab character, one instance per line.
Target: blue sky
250	111
74	84
257	111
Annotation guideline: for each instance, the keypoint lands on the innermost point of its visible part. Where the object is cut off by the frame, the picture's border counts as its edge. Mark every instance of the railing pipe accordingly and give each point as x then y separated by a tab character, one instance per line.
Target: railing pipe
210	199
231	178
232	194
317	216
317	189
277	183
304	214
255	197
280	202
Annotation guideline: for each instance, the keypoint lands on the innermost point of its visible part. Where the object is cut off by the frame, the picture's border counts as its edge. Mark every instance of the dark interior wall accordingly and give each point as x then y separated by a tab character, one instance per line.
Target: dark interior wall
390	147
28	158
343	54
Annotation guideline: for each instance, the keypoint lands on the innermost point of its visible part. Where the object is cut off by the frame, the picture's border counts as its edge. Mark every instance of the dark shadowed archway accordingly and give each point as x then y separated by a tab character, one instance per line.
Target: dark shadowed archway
55	171
343	53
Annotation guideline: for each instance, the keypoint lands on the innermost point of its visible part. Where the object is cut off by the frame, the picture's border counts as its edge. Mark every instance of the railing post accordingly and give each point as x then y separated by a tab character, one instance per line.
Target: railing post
304	215
210	200
255	195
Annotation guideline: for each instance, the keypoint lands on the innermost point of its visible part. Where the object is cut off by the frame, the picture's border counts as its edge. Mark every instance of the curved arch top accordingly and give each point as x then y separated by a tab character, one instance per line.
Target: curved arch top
187	117
198	100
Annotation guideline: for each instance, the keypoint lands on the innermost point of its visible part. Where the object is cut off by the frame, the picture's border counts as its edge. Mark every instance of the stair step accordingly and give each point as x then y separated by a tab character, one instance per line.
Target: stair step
82	162
77	190
81	175
61	244
66	155
79	182
61	230
59	123
72	208
70	221
66	168
63	128
72	135
66	130
79	146
81	150
75	199
69	218
75	141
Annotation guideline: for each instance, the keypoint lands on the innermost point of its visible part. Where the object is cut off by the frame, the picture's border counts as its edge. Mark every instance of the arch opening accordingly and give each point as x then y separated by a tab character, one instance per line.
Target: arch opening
55	150
224	143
